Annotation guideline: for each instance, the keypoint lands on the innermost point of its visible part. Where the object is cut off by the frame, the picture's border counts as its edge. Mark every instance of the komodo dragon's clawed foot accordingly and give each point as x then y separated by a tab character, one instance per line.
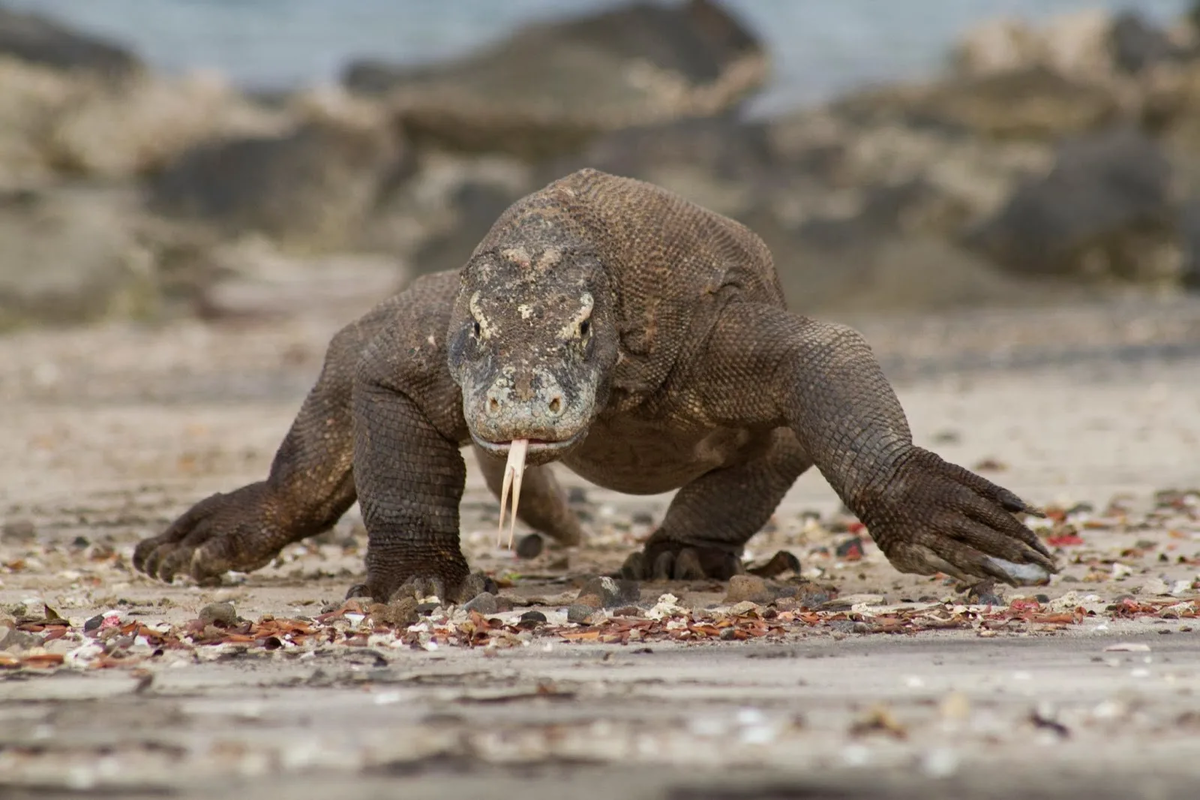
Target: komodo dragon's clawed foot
235	531
664	560
681	561
933	516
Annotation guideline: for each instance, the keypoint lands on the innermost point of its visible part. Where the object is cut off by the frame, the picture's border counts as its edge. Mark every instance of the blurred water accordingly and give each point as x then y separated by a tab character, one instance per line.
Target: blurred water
819	46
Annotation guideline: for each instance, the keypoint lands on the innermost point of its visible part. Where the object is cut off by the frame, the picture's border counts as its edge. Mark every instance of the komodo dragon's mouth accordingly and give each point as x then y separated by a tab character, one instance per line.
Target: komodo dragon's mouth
514	470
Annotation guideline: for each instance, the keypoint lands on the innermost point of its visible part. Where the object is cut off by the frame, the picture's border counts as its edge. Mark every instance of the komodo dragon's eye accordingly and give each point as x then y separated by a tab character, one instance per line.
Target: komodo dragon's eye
477	330
585	328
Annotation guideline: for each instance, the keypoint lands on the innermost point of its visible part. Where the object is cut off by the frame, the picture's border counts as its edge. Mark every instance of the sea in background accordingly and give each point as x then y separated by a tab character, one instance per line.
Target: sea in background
819	47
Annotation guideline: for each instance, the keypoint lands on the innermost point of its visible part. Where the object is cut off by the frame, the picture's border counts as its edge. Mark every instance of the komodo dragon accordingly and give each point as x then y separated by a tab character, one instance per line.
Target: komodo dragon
643	342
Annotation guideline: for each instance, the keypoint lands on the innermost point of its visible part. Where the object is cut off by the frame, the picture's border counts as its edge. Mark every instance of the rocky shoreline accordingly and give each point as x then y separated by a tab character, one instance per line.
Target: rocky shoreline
1043	164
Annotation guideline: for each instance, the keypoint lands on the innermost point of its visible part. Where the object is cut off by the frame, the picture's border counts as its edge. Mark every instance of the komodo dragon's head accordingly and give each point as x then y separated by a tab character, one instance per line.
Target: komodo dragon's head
532	343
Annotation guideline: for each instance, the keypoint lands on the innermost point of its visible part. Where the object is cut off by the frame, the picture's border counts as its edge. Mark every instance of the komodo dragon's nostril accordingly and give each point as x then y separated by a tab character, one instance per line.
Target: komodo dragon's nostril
556	406
493	405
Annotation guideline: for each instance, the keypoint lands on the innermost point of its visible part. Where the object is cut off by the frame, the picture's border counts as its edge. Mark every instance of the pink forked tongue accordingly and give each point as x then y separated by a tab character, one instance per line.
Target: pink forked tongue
514	470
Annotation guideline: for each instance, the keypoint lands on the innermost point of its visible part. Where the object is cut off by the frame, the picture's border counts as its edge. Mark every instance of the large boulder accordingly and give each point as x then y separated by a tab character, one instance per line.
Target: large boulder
312	188
1028	103
1091	43
57	125
31	98
551	86
841	203
137	127
1107	210
40	40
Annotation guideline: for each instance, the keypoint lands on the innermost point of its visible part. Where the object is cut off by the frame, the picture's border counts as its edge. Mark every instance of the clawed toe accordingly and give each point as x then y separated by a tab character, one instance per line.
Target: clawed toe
680	563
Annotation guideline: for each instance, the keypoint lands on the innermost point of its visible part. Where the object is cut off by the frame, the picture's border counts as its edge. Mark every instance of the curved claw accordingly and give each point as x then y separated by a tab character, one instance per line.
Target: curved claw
1019	574
670	560
238	530
945	518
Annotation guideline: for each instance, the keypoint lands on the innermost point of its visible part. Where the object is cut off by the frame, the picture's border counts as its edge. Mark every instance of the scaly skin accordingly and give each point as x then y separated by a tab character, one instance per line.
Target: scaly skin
639	340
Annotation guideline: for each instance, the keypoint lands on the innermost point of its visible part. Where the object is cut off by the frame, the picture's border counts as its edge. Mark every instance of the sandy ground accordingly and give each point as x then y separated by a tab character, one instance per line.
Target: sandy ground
856	682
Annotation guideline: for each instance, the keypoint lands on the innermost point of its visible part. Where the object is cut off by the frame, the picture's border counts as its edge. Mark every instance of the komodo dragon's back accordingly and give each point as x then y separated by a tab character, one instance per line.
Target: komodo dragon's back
672	263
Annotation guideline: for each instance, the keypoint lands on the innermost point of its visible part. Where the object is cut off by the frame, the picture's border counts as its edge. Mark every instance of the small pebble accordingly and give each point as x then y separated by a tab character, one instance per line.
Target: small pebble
851	548
219	614
580	614
744	607
18	530
485	603
748	588
605	592
780	563
401	612
530	546
533	616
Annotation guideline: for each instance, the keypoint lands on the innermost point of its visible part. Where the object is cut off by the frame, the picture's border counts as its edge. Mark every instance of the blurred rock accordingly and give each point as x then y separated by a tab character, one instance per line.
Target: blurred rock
551	86
1077	44
1105	210
56	125
717	162
41	40
446	207
996	45
140	125
1136	45
310	189
31	98
1031	103
73	255
1189	230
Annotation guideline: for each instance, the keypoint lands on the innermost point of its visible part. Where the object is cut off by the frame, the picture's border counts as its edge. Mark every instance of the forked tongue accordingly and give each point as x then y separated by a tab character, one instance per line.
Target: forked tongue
514	470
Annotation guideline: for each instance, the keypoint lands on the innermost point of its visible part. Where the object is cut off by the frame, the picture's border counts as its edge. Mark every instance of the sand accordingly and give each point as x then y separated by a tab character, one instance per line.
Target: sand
897	681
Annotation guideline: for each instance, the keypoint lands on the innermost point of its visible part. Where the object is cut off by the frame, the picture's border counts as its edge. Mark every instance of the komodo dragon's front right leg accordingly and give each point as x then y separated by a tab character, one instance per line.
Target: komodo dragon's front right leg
310	484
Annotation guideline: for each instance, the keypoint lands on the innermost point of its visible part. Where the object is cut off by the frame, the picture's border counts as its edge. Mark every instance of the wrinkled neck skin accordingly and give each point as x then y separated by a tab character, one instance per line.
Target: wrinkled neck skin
532	343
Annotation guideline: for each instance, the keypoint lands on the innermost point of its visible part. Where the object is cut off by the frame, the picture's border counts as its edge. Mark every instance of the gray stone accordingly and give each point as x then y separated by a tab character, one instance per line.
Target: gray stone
312	189
1104	211
484	603
41	40
749	588
222	614
551	86
605	592
18	530
73	255
580	614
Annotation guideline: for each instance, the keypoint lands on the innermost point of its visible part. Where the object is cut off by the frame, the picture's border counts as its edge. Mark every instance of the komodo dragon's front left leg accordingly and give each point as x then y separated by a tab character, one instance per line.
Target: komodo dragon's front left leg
310	484
823	383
